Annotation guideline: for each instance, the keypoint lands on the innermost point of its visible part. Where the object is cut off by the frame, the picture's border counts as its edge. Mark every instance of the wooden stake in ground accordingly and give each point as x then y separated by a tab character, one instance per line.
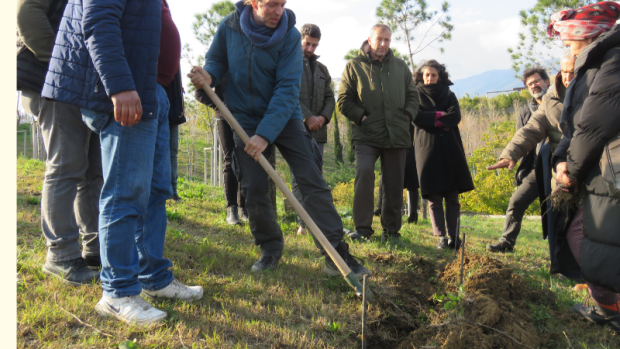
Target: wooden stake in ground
349	276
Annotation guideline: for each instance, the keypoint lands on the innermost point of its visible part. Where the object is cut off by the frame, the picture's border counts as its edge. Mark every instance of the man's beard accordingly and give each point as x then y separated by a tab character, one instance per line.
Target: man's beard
539	94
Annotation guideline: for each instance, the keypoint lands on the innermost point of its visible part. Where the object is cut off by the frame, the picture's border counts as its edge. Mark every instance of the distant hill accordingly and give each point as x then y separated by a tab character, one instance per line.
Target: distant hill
492	80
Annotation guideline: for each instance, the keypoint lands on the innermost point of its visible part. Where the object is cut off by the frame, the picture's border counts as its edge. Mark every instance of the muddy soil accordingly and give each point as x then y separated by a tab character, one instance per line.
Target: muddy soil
496	310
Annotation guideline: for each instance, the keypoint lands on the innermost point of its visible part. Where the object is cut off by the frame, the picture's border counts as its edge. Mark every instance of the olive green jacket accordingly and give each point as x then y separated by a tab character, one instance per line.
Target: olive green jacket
545	122
384	92
316	96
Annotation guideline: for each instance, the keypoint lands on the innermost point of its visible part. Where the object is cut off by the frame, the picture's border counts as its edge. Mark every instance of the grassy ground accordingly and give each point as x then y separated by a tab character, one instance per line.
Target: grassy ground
295	306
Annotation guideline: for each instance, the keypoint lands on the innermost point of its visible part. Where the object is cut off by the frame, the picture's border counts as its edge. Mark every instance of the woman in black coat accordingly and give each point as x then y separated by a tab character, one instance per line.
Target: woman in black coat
442	168
590	120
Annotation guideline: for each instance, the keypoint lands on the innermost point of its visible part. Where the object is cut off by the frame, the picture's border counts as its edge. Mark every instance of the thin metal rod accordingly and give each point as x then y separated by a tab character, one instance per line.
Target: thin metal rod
364	312
462	256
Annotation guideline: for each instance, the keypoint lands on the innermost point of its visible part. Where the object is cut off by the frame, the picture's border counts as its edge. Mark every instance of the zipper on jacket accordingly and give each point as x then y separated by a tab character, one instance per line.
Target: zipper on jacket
250	76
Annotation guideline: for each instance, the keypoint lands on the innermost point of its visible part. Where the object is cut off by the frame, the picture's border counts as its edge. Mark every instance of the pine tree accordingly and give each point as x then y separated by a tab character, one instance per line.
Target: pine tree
337	143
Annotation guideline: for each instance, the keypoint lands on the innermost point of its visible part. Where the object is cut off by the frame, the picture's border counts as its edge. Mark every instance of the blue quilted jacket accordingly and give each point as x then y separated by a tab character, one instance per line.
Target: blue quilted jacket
263	89
104	47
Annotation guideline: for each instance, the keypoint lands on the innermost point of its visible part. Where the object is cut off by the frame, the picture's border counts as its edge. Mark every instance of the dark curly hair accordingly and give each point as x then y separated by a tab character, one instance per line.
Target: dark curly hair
444	77
534	70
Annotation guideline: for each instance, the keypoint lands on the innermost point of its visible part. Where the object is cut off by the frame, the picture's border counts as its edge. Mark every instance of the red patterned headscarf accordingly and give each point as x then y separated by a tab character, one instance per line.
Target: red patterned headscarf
584	23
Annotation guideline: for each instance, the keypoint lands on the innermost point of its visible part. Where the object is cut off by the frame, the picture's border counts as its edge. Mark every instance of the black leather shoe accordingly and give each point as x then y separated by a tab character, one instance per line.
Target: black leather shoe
413	218
502	246
352	262
265	263
176	198
392	239
74	272
454	244
93	262
377	212
599	315
244	216
357	236
443	243
232	216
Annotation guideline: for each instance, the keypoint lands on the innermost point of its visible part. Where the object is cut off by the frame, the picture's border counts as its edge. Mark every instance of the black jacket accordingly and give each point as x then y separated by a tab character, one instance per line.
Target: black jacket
439	154
590	118
528	162
174	91
31	71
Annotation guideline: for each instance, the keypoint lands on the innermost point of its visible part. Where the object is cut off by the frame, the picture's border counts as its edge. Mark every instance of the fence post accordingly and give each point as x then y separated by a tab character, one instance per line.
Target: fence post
33	135
205	171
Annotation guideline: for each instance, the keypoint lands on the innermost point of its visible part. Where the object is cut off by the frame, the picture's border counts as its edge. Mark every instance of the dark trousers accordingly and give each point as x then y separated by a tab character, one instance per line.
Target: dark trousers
302	155
392	179
522	198
295	187
453	211
231	185
414	198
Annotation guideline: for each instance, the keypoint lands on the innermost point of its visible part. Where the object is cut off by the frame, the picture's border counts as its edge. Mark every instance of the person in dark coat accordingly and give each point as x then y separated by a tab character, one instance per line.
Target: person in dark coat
73	175
590	120
440	158
235	201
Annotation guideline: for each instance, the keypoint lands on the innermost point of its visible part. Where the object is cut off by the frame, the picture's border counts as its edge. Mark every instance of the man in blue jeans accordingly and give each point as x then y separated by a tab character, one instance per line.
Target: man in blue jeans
105	61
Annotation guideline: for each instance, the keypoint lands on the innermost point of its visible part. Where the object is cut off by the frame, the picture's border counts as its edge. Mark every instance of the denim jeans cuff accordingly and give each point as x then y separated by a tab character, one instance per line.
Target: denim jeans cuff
159	286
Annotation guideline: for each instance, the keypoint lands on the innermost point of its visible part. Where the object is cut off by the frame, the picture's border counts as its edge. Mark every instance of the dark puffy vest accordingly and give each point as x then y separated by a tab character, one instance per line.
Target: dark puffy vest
31	71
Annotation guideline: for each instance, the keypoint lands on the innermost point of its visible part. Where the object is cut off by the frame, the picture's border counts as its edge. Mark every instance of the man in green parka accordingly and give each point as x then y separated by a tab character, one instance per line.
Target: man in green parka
378	95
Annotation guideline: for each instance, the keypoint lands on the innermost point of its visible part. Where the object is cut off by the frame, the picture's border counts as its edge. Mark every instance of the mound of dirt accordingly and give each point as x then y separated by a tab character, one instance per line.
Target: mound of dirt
495	313
402	298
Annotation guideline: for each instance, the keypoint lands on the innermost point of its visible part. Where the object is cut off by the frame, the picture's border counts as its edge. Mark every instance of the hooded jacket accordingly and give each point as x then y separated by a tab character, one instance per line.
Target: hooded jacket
383	92
263	89
104	47
316	96
545	122
590	118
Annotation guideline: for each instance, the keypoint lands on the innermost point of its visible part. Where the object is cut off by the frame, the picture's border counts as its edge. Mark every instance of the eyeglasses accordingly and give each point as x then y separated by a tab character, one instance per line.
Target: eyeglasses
532	83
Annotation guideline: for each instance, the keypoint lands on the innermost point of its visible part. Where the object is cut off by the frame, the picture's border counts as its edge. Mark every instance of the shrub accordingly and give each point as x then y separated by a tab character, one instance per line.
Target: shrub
343	194
493	188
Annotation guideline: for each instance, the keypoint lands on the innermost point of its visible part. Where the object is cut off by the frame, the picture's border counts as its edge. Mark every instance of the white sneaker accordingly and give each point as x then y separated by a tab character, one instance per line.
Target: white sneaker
176	290
132	309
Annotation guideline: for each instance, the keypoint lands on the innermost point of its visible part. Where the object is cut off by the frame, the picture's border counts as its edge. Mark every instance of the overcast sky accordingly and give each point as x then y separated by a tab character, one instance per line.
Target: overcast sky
483	31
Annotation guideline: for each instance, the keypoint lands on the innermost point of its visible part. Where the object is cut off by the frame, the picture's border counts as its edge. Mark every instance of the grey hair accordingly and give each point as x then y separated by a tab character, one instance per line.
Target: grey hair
568	56
311	30
377	26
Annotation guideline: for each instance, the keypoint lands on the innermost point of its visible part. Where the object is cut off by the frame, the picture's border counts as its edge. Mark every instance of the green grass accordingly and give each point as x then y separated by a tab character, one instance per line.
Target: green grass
294	306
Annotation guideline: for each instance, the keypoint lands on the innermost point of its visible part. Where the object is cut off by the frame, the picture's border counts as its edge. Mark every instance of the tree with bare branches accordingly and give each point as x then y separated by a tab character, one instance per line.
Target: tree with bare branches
409	17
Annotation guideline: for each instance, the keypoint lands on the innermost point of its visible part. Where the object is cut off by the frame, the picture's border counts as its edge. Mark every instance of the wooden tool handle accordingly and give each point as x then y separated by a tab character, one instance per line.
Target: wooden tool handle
314	229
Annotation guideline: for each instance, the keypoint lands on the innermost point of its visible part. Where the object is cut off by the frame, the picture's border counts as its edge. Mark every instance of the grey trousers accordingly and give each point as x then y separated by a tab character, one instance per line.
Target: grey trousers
302	155
72	184
520	200
392	183
295	187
